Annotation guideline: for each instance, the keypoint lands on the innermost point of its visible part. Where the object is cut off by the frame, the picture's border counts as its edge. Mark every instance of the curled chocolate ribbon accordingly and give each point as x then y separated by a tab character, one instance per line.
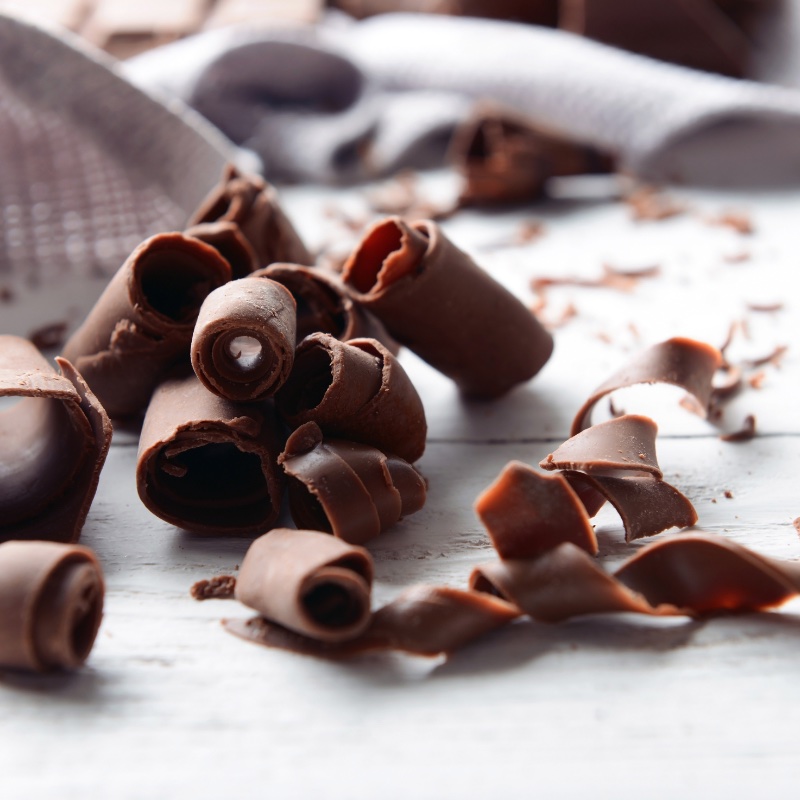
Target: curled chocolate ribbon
309	582
433	298
243	342
681	362
208	465
351	490
324	305
252	203
54	444
51	605
142	324
227	239
355	390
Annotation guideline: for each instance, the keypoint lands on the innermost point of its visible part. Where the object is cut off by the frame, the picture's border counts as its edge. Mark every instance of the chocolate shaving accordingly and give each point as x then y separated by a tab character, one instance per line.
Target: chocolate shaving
51	605
309	582
402	196
55	441
218	588
49	337
739	257
738	221
765	308
208	465
229	241
252	203
680	362
142	324
351	490
774	358
744	434
612	278
355	390
433	298
648	204
243	342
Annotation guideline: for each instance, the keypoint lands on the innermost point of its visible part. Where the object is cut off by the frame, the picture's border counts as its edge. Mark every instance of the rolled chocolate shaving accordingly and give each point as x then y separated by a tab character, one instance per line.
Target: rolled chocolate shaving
433	298
54	443
142	324
309	582
351	490
355	390
252	203
243	342
624	444
229	241
646	505
208	465
506	158
527	513
681	362
51	605
324	305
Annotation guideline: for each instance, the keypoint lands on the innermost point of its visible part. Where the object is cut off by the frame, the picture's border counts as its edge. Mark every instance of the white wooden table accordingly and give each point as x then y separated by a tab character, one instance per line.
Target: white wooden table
170	706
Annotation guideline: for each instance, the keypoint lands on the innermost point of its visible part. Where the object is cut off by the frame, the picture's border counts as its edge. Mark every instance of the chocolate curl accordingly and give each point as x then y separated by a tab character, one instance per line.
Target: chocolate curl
227	239
681	362
350	490
622	444
422	620
309	582
208	465
355	390
243	343
142	324
527	513
51	605
324	305
252	203
433	298
54	444
506	158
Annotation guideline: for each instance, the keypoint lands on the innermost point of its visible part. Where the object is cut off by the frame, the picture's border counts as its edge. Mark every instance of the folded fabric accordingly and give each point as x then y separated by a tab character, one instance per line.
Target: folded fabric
350	99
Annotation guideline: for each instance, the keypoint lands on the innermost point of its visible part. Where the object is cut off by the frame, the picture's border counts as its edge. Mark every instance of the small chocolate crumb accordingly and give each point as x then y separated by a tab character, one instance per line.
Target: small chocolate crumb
737	220
756	381
796	524
729	494
649	204
747	431
737	258
49	336
218	588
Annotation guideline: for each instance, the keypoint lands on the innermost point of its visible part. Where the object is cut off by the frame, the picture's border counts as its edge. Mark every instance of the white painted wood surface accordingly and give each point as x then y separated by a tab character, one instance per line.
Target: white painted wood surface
170	706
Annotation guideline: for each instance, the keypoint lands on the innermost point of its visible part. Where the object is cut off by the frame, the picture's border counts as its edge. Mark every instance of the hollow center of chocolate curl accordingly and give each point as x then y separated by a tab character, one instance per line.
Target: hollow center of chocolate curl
333	605
245	352
310	379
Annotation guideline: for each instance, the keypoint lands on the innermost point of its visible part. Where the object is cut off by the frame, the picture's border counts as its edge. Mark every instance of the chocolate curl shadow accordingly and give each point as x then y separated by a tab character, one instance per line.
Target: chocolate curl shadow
244	339
252	204
55	442
433	298
142	324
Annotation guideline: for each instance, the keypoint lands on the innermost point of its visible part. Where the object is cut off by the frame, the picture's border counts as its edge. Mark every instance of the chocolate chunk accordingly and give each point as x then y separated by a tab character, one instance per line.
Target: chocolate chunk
54	444
527	513
355	390
208	465
681	362
51	605
220	587
252	203
243	342
433	298
506	158
309	582
622	444
228	240
744	434
142	324
324	305
351	490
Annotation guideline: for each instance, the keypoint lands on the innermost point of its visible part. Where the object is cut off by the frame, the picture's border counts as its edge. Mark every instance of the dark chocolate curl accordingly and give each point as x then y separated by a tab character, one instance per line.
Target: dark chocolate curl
208	465
324	305
142	324
228	240
243	342
53	444
351	490
645	505
309	582
252	203
506	158
355	390
51	605
433	298
623	444
527	513
681	362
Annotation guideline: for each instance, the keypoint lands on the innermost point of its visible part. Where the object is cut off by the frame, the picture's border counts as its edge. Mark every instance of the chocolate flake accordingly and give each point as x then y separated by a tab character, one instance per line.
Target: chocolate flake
648	203
736	220
220	587
744	434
